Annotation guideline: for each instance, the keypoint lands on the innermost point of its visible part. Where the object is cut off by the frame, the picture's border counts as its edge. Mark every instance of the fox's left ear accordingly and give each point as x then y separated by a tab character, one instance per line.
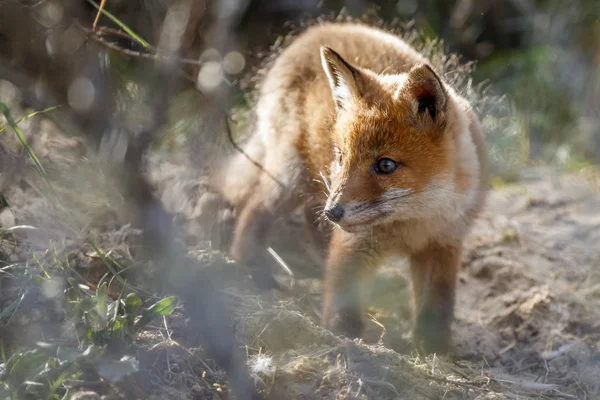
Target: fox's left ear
425	89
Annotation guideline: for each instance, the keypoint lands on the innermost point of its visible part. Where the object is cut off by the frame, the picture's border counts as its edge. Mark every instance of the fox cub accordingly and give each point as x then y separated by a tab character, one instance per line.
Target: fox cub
357	110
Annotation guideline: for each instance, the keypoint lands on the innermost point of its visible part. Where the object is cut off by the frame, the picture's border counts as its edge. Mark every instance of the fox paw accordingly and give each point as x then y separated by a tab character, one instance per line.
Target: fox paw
432	336
349	325
264	280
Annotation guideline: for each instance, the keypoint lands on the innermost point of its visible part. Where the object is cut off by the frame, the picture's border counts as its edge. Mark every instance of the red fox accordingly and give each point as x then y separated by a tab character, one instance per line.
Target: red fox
404	161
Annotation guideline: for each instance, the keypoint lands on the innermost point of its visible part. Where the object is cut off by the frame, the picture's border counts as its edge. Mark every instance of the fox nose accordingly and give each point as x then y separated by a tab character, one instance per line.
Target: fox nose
335	213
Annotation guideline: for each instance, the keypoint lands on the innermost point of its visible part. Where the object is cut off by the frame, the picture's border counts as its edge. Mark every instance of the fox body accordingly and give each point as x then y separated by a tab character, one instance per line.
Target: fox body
360	112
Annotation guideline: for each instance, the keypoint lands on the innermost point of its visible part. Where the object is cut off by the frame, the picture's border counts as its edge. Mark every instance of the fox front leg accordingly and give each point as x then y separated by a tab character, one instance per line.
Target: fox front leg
434	272
348	274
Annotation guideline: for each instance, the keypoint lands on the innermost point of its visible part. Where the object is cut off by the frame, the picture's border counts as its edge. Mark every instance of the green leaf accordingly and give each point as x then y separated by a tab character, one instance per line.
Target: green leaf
22	366
113	310
59	381
118	324
133	303
164	307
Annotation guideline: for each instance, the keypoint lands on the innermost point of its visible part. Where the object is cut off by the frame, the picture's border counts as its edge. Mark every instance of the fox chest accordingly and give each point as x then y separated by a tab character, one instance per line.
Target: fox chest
403	237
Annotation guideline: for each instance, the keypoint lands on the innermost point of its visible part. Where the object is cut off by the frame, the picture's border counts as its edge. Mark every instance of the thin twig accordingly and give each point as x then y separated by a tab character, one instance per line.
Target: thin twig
103	31
119	49
102	4
256	163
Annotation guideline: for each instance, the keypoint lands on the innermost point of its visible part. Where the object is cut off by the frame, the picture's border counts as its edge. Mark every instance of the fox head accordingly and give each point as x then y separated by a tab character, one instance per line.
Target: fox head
393	145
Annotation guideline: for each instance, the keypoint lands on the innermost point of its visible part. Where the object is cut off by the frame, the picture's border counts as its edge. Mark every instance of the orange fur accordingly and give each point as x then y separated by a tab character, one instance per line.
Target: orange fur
365	95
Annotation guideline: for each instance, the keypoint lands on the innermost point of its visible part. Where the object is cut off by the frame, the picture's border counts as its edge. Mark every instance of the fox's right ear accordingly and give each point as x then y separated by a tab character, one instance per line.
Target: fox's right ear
344	79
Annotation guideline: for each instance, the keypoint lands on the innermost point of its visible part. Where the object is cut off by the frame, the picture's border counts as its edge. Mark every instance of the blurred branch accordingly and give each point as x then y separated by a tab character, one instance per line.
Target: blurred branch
98	37
119	24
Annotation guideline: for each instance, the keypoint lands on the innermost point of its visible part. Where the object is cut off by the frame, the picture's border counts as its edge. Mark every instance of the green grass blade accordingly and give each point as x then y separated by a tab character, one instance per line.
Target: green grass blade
22	138
41	266
33	114
121	25
12	307
11	122
112	270
107	263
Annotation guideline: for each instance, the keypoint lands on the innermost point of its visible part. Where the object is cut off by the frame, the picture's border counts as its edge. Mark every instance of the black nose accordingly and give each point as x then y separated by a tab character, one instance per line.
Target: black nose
335	213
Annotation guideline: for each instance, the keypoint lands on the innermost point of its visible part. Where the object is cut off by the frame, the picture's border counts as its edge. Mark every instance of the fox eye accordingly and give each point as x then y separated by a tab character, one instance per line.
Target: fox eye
385	166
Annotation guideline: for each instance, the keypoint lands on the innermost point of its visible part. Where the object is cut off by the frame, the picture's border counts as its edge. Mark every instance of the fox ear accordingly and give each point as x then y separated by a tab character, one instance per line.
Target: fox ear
344	79
427	92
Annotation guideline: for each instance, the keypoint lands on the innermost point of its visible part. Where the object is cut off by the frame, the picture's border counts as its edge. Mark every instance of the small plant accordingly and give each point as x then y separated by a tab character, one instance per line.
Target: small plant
46	371
115	324
105	329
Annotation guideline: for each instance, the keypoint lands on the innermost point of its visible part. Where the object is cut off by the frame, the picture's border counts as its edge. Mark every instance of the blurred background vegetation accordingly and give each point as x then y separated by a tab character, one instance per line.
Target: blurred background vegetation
544	55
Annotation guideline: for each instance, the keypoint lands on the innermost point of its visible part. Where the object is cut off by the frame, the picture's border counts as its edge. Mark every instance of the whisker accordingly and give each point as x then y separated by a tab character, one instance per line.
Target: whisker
442	189
322	183
325	181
